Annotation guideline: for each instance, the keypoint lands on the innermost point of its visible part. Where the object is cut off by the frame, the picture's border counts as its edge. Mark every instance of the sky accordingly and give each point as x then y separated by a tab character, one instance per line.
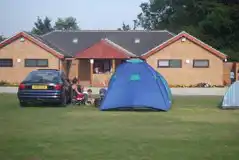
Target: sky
20	15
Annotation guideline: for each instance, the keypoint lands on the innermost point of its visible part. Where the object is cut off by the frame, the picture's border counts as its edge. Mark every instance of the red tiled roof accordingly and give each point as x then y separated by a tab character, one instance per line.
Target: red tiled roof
189	37
102	50
33	40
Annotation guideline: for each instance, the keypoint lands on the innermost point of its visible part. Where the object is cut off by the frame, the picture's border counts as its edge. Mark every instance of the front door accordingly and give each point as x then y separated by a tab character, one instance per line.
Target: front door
84	71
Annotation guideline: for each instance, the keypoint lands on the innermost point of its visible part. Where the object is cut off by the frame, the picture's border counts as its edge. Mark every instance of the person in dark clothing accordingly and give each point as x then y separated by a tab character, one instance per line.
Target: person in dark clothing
77	90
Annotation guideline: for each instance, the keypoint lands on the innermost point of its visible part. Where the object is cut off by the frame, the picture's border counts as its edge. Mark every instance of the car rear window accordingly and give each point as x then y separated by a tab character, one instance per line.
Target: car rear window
43	77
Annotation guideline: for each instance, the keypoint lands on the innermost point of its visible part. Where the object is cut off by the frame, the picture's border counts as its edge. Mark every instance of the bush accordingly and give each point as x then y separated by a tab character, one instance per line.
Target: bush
199	85
7	84
3	83
203	85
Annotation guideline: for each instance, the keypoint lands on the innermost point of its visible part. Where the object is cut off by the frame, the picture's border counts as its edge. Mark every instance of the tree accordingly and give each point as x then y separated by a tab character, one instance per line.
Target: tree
2	38
42	26
215	21
136	24
127	27
69	23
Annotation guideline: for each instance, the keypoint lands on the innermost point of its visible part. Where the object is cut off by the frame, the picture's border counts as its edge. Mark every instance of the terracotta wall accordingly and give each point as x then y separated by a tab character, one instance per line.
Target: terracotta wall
73	69
237	71
187	75
18	50
228	67
100	80
226	75
84	71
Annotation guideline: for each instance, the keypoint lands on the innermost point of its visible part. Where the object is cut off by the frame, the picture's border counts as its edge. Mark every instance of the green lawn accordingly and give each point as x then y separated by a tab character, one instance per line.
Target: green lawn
194	129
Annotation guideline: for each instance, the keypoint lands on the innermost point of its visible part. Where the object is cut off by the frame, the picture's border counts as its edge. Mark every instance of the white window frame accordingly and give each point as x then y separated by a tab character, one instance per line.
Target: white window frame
169	63
201	66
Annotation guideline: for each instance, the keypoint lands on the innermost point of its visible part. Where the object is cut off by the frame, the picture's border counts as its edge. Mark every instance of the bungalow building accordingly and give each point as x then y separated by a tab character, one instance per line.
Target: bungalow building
93	56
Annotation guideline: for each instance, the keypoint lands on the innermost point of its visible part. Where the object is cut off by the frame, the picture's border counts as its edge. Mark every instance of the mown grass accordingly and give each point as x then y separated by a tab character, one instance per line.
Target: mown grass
194	129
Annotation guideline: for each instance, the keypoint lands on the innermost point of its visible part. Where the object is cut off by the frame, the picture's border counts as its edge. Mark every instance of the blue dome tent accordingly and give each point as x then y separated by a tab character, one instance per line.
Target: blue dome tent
231	97
159	76
135	84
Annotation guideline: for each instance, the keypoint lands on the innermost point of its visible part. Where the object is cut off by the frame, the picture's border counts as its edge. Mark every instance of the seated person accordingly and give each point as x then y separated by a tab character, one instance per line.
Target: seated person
76	91
90	99
103	91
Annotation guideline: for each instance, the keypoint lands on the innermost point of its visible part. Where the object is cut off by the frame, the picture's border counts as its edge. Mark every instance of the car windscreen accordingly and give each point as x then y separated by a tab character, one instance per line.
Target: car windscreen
43	77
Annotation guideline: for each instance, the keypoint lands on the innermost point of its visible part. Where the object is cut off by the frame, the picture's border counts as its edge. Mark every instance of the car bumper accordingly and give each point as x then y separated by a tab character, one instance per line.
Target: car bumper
39	97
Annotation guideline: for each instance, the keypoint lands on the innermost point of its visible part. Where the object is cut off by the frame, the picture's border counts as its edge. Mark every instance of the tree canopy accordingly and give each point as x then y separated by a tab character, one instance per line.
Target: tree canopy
215	22
43	26
125	27
68	23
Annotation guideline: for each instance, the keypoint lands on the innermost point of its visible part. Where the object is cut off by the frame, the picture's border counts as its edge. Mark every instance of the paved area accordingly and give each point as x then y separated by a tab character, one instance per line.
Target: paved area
175	91
8	89
190	91
199	91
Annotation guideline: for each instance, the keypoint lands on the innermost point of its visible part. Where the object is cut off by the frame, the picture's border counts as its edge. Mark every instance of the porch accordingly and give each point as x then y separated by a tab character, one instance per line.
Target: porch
227	69
97	72
98	62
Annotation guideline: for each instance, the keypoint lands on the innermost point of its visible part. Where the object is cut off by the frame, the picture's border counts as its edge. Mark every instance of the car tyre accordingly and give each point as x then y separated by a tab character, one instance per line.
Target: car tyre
63	101
23	104
69	97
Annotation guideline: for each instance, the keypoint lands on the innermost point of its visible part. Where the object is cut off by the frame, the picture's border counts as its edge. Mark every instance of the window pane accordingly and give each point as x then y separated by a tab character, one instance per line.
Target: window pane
6	63
163	63
43	76
106	64
201	63
36	62
175	63
102	66
30	63
42	63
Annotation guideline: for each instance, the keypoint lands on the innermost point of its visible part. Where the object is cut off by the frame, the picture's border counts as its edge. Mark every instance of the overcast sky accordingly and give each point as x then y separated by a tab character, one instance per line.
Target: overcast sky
20	15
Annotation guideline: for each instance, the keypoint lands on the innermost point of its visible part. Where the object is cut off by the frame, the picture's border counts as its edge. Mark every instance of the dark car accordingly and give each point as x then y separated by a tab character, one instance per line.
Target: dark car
45	86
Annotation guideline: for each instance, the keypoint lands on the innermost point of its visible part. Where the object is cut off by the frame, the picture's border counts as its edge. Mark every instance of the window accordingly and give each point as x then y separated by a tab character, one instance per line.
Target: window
6	63
172	63
43	76
102	66
36	62
135	77
163	63
200	63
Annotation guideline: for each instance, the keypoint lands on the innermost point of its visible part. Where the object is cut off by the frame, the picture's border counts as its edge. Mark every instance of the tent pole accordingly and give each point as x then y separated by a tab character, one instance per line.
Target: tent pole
236	70
113	65
91	71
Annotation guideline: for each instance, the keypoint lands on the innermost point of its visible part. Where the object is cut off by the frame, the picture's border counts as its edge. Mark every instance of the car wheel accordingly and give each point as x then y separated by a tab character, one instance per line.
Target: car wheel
63	101
23	104
73	102
69	98
69	101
